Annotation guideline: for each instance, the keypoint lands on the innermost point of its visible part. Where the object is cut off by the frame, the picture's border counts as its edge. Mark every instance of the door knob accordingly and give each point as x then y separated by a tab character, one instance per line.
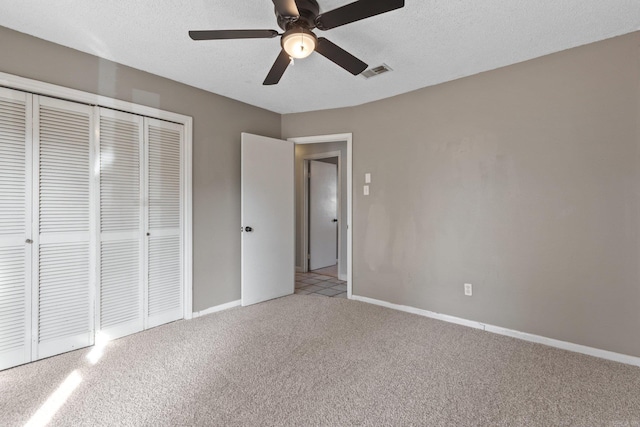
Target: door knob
334	220
248	229
29	241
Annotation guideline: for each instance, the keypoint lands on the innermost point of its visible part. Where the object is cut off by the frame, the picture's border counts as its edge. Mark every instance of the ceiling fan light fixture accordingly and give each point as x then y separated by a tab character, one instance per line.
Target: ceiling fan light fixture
299	42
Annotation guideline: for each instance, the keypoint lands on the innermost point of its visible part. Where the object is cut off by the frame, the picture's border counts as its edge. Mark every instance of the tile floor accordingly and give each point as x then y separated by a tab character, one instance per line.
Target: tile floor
318	284
332	271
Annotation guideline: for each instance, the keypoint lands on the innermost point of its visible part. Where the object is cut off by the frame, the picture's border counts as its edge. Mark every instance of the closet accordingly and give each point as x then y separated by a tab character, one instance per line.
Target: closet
90	225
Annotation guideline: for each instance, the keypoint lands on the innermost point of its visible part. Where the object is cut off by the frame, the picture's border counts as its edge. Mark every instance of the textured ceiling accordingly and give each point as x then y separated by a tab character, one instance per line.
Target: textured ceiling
426	43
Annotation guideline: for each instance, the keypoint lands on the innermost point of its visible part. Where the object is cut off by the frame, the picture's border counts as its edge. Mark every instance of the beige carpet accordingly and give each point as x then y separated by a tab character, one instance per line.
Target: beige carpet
315	361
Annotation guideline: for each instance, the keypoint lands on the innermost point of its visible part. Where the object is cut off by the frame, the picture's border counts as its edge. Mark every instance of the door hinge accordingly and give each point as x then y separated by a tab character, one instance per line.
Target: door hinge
308	256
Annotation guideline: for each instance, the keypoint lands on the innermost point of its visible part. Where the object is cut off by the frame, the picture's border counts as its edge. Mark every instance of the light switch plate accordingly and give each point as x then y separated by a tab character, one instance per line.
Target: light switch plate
468	289
367	178
366	190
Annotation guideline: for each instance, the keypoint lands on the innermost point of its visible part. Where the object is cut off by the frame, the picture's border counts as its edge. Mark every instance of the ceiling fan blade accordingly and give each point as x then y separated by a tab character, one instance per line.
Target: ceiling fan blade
278	69
340	56
233	34
287	8
356	11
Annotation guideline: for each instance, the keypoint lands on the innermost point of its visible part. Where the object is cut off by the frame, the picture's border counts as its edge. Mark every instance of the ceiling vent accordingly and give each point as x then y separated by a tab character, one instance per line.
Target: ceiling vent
376	71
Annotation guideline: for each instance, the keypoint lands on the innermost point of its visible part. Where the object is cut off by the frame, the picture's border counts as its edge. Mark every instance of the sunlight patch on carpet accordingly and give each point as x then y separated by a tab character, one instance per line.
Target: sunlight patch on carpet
53	404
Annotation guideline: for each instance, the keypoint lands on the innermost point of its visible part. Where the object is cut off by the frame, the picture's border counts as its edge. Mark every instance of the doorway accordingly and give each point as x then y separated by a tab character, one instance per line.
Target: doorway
270	243
323	236
322	213
321	225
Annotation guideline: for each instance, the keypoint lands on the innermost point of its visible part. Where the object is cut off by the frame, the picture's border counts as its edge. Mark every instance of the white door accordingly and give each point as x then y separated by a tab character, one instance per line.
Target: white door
15	228
164	289
268	219
64	244
323	214
120	256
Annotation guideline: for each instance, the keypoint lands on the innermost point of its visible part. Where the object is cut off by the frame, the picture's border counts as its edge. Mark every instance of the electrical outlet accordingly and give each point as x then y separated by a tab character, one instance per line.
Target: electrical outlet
468	289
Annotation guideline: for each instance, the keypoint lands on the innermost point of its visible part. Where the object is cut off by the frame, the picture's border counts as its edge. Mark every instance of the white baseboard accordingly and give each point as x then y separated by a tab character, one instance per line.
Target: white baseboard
342	277
217	308
577	348
299	269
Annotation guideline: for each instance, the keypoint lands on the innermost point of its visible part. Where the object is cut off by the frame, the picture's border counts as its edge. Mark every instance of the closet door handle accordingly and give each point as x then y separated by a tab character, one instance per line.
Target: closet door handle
148	234
29	241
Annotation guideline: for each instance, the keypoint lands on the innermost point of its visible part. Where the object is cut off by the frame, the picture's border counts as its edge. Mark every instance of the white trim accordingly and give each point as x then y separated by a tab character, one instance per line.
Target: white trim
348	137
95	205
299	269
305	204
420	312
216	309
144	223
349	277
29	225
187	220
564	345
41	88
94	223
35	223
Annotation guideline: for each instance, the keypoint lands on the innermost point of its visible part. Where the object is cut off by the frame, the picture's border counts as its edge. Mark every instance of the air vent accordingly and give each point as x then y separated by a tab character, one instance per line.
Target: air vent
376	71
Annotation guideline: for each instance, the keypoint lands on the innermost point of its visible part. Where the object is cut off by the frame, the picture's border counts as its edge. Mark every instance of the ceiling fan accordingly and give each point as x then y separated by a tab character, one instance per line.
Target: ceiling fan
297	18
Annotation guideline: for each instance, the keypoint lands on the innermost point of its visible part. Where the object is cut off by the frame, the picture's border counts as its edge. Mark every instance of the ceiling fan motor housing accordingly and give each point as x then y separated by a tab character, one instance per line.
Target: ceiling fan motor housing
308	10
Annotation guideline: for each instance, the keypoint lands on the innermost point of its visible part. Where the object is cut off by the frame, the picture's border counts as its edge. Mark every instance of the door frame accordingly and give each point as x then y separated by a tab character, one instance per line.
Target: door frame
348	138
306	212
37	87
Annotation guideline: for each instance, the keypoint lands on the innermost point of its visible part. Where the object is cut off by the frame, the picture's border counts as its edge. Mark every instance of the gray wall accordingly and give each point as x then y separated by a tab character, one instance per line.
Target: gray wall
524	181
304	150
217	122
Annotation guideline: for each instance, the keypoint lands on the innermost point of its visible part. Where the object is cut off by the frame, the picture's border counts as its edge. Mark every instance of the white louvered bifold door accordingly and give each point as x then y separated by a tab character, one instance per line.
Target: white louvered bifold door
15	228
120	272
164	142
64	250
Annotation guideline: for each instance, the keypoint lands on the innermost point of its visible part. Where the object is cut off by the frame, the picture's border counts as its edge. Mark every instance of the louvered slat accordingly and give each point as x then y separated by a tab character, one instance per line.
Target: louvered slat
164	272
120	283
12	164
12	294
121	287
14	218
119	175
63	310
64	170
164	178
64	300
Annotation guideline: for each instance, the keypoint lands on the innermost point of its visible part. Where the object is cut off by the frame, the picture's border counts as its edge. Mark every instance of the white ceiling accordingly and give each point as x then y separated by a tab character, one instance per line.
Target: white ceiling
426	43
